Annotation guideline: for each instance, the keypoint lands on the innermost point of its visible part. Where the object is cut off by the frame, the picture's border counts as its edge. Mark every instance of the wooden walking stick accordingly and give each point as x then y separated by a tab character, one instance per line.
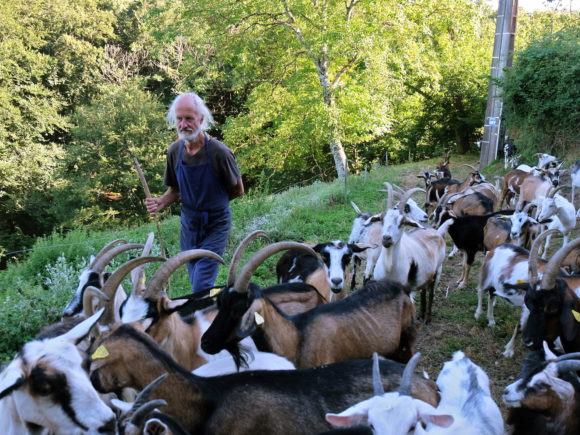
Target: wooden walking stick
148	195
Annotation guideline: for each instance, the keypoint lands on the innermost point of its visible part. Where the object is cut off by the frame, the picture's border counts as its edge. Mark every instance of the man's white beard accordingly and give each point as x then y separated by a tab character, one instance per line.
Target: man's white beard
189	136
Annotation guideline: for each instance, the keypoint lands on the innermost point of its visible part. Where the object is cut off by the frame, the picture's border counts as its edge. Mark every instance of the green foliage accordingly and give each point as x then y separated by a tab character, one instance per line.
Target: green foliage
542	91
102	186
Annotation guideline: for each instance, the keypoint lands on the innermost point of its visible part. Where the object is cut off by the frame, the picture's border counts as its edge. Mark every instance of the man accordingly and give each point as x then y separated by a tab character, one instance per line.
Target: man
203	173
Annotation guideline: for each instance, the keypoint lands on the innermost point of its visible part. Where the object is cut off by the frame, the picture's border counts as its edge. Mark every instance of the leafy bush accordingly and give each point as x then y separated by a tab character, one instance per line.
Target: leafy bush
541	93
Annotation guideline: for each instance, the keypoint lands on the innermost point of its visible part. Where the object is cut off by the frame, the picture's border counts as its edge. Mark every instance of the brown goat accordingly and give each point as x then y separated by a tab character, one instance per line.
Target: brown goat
291	402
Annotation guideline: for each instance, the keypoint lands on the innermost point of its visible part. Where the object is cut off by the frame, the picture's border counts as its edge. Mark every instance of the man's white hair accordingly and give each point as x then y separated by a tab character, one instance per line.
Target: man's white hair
201	107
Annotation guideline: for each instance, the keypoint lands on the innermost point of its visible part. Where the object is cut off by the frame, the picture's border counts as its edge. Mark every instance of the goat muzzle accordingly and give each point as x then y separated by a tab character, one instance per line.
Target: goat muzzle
387	241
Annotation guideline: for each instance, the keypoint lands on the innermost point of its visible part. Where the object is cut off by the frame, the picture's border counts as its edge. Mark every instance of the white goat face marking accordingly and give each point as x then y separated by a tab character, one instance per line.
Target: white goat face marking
518	220
415	212
357	231
335	252
77	399
548	209
75	303
546	379
135	308
392	227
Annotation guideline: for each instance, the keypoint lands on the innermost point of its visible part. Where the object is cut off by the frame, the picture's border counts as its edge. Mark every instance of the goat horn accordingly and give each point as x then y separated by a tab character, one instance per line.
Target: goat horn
377	383
138	274
553	266
405	197
356	209
114	281
533	257
89	293
164	272
144	394
102	262
399	188
470	166
568	366
553	191
389	195
568	356
106	248
237	257
405	386
243	279
140	414
527	207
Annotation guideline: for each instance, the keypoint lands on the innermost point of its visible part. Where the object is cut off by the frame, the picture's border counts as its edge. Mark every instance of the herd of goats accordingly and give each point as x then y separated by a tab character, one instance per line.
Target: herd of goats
306	355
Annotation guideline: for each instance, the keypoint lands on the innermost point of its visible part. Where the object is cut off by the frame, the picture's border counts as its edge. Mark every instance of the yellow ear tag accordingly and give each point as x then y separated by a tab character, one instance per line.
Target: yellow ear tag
576	315
259	319
214	292
101	352
521	281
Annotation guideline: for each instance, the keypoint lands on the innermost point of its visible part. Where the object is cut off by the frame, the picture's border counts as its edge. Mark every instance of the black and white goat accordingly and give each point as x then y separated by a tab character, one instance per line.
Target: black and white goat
46	387
509	155
546	397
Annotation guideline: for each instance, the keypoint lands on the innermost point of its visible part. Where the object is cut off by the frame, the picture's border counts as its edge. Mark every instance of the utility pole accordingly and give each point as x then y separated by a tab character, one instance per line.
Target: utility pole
503	47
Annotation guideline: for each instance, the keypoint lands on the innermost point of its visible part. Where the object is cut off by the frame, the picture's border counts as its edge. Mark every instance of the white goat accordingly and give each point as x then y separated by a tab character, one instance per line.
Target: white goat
466	405
258	361
562	213
45	386
575	174
415	258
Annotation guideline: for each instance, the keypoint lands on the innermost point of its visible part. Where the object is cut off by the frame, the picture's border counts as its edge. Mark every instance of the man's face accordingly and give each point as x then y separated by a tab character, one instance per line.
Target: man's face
188	119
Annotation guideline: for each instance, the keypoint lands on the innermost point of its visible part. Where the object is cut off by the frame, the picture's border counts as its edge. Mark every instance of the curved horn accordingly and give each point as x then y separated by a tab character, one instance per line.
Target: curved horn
470	166
553	266
553	191
237	257
100	264
527	207
106	248
567	356
356	209
377	383
405	197
143	396
164	272
398	188
243	279
568	366
389	195
114	281
533	257
143	411
405	386
89	293
138	274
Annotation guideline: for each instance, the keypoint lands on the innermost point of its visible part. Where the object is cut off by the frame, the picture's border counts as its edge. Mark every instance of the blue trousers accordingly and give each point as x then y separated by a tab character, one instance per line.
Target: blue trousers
204	230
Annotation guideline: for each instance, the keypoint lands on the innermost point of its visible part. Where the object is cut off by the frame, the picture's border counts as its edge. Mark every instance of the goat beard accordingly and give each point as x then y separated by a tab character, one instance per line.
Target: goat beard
241	355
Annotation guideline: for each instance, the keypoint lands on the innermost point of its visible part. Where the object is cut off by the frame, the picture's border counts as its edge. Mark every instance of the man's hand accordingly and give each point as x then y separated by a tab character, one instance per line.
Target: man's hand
154	205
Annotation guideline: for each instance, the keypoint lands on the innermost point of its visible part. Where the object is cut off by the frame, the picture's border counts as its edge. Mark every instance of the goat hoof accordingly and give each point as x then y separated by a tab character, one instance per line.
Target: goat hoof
460	284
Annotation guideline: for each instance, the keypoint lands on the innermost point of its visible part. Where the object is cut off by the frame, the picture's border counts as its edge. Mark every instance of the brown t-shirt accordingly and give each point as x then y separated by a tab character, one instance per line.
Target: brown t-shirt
223	162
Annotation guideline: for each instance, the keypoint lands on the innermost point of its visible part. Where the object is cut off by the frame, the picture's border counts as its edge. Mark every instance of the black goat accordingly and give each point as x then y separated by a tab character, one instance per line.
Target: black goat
468	235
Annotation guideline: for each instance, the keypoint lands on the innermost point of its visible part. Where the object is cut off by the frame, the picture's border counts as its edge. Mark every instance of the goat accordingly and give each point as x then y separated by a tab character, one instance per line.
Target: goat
367	230
509	155
554	205
496	232
94	274
534	186
523	227
379	317
414	259
545	398
45	386
466	405
442	170
467	234
325	271
503	267
511	185
546	161
551	302
280	402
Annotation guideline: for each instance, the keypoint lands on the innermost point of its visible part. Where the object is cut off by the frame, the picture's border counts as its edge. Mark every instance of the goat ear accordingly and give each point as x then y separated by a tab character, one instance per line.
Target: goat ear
169	305
444	421
11	378
360	247
340	420
412	223
247	324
